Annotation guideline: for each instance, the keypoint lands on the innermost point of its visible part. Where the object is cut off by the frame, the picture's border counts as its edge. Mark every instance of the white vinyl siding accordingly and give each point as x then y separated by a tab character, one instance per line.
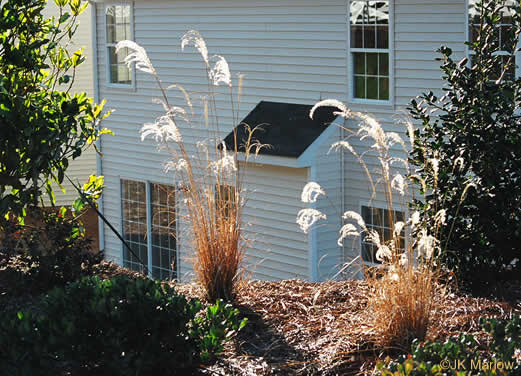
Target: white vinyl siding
290	51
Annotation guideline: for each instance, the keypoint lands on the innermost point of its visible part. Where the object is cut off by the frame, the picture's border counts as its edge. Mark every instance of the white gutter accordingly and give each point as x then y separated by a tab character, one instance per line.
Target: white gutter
99	162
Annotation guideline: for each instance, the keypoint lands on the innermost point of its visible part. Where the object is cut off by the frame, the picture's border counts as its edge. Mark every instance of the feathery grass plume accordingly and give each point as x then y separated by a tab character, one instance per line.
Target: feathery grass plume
347	230
194	38
311	192
405	284
208	175
220	73
306	218
138	56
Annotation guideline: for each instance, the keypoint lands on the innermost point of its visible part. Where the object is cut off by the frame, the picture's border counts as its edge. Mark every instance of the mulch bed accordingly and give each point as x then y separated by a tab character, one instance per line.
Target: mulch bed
302	328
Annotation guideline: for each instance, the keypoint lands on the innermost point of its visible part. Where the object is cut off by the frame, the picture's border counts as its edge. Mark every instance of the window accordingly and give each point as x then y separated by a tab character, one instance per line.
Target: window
382	221
117	28
504	32
370	49
149	208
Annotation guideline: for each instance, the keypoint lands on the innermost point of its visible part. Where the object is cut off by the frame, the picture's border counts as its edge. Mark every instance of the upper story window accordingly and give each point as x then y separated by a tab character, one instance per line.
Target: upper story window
370	49
505	31
117	28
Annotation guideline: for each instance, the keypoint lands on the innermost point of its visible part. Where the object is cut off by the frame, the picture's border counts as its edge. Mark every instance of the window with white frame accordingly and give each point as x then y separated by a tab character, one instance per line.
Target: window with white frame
370	49
117	28
149	208
504	31
381	221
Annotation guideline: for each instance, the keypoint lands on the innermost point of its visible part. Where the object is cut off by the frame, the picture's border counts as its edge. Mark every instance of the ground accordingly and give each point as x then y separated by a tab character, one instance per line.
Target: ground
302	328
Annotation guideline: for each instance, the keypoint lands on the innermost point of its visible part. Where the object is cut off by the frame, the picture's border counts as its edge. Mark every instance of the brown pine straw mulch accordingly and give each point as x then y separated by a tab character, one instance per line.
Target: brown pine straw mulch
302	328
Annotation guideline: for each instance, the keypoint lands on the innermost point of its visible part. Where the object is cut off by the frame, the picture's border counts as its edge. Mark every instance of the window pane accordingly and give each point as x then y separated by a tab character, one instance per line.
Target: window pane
382	12
122	14
366	215
384	88
357	12
120	74
369	36
117	33
359	62
372	88
357	36
382	37
110	15
372	64
359	87
383	64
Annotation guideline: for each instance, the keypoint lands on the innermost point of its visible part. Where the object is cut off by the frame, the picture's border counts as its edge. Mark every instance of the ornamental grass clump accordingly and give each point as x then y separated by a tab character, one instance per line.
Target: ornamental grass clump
207	173
404	277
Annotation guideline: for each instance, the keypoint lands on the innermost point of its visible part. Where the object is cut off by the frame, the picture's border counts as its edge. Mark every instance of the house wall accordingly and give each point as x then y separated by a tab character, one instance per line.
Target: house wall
80	169
327	171
291	51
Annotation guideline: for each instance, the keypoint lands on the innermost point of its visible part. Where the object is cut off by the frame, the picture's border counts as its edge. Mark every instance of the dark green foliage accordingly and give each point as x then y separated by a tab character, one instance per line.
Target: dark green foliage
219	322
506	337
42	125
120	326
474	133
46	255
464	355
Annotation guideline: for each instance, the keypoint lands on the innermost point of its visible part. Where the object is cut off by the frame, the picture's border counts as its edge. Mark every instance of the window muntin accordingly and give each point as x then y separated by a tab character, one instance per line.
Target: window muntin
382	221
370	51
118	28
504	30
149	209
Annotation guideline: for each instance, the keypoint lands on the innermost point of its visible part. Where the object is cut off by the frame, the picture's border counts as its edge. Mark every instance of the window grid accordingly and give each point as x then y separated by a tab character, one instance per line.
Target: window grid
369	44
378	219
134	223
135	200
117	28
163	228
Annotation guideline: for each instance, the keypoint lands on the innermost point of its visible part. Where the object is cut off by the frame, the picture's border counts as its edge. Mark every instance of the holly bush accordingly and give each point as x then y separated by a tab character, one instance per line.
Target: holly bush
468	152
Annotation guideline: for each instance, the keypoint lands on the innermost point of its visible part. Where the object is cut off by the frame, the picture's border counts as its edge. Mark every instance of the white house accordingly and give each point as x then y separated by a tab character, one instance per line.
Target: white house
372	55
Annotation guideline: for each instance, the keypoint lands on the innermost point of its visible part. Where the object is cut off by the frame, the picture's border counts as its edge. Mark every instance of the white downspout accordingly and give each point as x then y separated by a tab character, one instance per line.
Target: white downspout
99	162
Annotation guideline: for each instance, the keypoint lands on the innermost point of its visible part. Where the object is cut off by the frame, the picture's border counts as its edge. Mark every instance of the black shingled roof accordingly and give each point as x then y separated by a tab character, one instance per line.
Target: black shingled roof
285	126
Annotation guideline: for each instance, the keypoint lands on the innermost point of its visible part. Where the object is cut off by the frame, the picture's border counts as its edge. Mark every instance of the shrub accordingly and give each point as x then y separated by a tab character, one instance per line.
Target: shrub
120	326
474	137
50	253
